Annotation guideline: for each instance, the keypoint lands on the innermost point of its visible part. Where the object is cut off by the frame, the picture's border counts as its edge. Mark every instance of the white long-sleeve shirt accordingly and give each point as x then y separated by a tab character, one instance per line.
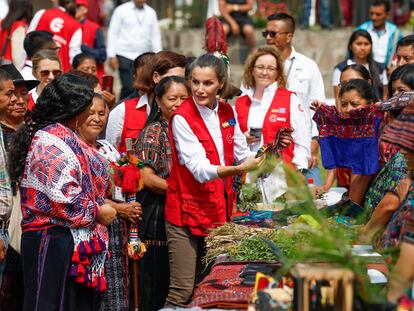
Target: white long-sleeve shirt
133	31
75	41
305	79
190	151
299	120
116	120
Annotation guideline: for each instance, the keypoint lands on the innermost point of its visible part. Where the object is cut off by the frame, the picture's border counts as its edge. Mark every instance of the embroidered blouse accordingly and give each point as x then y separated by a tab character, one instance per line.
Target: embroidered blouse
64	181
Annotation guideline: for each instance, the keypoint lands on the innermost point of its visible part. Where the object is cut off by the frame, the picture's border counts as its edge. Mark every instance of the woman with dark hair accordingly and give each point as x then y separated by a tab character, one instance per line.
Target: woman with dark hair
154	149
63	183
205	142
66	30
13	31
360	52
129	118
116	297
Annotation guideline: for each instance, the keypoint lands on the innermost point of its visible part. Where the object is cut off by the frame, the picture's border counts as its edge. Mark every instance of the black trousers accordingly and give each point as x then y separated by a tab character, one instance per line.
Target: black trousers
46	256
126	74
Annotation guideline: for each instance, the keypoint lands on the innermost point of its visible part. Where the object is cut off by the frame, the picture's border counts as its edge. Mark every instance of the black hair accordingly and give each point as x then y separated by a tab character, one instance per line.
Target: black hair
406	41
160	89
36	41
79	58
364	72
385	3
288	19
5	76
61	100
188	61
92	79
141	59
362	87
70	6
405	73
372	64
18	10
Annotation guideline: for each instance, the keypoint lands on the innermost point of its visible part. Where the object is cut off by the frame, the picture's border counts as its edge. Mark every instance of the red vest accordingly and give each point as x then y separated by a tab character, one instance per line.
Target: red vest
191	204
3	37
62	26
277	117
31	102
89	29
134	121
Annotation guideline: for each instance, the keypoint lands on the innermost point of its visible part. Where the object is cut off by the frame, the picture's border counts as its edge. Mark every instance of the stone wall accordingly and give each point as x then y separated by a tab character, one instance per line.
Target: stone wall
327	48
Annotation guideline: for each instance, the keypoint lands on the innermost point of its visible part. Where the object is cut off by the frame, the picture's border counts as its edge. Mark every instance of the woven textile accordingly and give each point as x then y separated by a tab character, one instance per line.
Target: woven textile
397	102
401	131
387	180
222	289
64	183
350	142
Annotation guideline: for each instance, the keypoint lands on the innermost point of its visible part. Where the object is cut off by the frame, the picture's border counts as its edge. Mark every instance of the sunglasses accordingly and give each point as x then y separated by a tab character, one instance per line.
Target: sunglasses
272	34
46	73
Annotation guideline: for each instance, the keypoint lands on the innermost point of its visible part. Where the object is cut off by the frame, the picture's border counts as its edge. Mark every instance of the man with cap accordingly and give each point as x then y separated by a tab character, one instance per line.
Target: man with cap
93	41
6	198
13	109
13	117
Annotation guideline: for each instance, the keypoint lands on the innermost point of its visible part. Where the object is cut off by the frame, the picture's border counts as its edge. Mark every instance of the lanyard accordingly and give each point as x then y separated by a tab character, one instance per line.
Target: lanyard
136	13
290	68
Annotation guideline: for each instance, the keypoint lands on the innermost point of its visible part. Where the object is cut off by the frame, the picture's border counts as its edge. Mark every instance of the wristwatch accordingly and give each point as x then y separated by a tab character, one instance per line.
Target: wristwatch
236	7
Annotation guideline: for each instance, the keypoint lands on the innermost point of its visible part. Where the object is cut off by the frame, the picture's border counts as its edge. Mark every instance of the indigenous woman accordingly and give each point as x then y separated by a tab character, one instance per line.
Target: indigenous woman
390	187
360	52
62	182
268	107
350	137
116	297
205	141
13	31
46	67
400	133
342	174
154	149
129	118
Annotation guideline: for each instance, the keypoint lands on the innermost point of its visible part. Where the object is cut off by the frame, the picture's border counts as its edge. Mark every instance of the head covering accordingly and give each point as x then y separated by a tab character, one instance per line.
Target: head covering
82	2
397	102
18	78
401	131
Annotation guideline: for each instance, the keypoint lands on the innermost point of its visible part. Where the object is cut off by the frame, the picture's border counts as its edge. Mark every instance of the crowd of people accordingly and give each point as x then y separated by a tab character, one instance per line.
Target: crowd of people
63	225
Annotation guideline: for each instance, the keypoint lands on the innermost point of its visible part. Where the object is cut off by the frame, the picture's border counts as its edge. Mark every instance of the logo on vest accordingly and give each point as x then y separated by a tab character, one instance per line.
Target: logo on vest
280	110
229	138
273	118
300	107
56	24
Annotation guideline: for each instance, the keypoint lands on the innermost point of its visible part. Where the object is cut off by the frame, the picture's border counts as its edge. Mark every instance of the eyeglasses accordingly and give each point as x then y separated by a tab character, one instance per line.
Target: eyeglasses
272	34
263	68
46	73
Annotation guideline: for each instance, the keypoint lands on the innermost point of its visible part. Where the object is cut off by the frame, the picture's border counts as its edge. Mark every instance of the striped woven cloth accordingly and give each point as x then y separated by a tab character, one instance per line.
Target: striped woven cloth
401	131
349	141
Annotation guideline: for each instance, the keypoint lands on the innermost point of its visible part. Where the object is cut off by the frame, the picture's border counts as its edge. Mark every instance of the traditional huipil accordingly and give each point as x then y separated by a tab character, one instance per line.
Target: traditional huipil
66	31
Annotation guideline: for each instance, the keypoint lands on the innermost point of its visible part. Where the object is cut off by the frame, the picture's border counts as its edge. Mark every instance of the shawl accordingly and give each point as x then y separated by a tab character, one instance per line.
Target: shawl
350	142
64	183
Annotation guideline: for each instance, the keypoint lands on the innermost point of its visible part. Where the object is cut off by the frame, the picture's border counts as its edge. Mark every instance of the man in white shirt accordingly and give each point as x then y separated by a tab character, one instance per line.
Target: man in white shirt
132	31
302	74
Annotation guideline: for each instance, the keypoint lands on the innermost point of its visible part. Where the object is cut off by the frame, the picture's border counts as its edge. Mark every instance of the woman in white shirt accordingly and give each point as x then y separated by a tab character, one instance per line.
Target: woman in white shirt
268	107
205	141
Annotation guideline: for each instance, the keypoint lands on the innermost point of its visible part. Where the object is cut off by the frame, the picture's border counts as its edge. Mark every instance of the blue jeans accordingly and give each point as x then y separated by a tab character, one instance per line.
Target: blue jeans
324	17
315	173
4	235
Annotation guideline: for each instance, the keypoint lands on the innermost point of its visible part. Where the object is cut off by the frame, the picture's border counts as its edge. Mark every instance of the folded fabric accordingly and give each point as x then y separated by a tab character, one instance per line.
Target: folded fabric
350	142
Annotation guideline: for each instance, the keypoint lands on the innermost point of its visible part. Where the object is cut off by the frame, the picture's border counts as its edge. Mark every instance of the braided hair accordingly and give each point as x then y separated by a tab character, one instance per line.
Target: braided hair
63	99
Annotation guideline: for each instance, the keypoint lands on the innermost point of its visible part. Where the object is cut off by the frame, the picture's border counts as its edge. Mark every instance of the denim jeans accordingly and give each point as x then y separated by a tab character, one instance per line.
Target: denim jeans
324	17
4	235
